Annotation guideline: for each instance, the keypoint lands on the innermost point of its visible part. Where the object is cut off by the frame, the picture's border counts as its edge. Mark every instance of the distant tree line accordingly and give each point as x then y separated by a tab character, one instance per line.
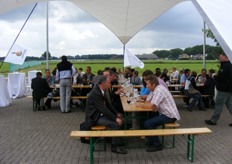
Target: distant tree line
211	51
173	54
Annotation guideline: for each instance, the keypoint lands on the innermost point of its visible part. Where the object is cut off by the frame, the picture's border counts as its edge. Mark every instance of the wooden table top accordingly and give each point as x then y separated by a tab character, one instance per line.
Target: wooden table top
131	107
73	86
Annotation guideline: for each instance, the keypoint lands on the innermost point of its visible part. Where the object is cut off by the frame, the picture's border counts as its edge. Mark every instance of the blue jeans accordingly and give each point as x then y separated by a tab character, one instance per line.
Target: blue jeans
153	123
196	97
222	98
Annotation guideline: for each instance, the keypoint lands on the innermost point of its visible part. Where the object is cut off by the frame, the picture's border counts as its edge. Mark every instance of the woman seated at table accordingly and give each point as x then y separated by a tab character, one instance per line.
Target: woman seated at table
144	90
135	79
51	81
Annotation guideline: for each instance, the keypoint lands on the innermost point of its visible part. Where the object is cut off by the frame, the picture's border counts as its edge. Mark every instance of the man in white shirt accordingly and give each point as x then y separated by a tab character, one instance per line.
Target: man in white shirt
161	101
174	76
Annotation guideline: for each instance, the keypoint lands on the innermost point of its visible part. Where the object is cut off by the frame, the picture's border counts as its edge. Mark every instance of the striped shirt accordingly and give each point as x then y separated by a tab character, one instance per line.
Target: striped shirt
162	98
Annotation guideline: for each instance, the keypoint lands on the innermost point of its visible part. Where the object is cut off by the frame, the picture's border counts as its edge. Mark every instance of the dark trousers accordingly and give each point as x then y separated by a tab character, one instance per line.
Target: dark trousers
111	125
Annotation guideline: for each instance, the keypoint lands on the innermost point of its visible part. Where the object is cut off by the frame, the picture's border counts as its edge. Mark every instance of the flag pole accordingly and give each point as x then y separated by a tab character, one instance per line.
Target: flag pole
47	39
19	33
204	62
124	49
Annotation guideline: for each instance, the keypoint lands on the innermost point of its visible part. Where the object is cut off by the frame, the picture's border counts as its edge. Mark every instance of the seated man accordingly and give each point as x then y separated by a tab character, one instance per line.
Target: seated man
101	113
161	100
87	79
40	90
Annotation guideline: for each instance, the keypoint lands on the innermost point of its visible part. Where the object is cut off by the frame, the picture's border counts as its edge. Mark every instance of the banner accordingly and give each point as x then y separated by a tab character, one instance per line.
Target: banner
131	60
17	55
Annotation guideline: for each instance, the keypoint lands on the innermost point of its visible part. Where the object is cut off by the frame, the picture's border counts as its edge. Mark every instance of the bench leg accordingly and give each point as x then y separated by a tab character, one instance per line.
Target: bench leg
91	147
96	141
190	147
173	141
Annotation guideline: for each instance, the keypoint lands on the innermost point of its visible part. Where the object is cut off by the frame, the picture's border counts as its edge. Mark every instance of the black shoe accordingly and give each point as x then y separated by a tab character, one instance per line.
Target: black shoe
230	124
118	150
209	122
189	109
38	108
48	107
68	111
203	109
154	149
43	108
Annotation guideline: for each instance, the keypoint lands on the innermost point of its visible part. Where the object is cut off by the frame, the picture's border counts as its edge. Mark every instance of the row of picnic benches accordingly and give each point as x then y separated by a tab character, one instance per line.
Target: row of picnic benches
85	97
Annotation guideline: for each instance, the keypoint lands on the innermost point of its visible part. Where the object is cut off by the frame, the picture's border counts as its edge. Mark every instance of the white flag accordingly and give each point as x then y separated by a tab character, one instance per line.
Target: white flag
17	55
131	60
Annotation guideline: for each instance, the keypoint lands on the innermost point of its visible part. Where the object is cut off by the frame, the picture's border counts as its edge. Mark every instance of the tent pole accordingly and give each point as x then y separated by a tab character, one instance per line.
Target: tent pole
124	47
47	39
204	62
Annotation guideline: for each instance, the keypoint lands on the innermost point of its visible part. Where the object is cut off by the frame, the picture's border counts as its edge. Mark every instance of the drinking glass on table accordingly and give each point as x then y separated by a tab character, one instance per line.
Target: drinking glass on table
129	99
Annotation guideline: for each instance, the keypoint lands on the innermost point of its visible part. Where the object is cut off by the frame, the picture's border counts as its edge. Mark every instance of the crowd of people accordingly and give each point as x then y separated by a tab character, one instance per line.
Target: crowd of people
103	105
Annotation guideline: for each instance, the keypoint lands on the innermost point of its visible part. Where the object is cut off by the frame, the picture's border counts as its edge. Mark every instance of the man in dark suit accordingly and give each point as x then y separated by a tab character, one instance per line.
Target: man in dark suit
40	90
101	112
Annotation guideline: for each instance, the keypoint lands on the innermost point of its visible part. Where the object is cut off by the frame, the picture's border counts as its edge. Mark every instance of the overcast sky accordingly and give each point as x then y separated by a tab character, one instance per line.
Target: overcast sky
77	33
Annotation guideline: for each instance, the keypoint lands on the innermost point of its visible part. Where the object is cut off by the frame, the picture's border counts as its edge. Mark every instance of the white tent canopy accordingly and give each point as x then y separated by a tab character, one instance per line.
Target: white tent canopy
126	17
216	14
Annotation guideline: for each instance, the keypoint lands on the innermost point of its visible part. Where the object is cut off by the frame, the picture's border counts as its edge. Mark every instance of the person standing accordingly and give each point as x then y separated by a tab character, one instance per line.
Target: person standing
64	74
160	100
224	87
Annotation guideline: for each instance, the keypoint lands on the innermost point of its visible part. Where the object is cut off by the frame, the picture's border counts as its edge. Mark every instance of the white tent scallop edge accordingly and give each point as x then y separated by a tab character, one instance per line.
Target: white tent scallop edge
126	17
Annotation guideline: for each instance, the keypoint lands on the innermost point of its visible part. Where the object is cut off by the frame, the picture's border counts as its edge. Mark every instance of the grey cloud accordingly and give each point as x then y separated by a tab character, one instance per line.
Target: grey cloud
181	18
70	13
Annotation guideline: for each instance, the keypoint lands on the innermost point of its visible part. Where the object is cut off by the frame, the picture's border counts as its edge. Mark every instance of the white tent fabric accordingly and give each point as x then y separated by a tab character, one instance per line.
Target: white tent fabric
126	17
216	14
123	17
131	60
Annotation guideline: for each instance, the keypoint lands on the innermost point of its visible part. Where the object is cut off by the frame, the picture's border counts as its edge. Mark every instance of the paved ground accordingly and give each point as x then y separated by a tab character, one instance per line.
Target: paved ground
28	137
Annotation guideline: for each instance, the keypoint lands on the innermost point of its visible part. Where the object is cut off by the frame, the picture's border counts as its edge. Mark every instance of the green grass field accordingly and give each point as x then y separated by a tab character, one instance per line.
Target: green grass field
96	65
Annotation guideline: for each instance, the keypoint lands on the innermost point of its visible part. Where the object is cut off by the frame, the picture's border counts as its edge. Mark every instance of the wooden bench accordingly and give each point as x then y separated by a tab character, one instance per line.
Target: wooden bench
191	132
175	92
72	97
55	98
183	96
